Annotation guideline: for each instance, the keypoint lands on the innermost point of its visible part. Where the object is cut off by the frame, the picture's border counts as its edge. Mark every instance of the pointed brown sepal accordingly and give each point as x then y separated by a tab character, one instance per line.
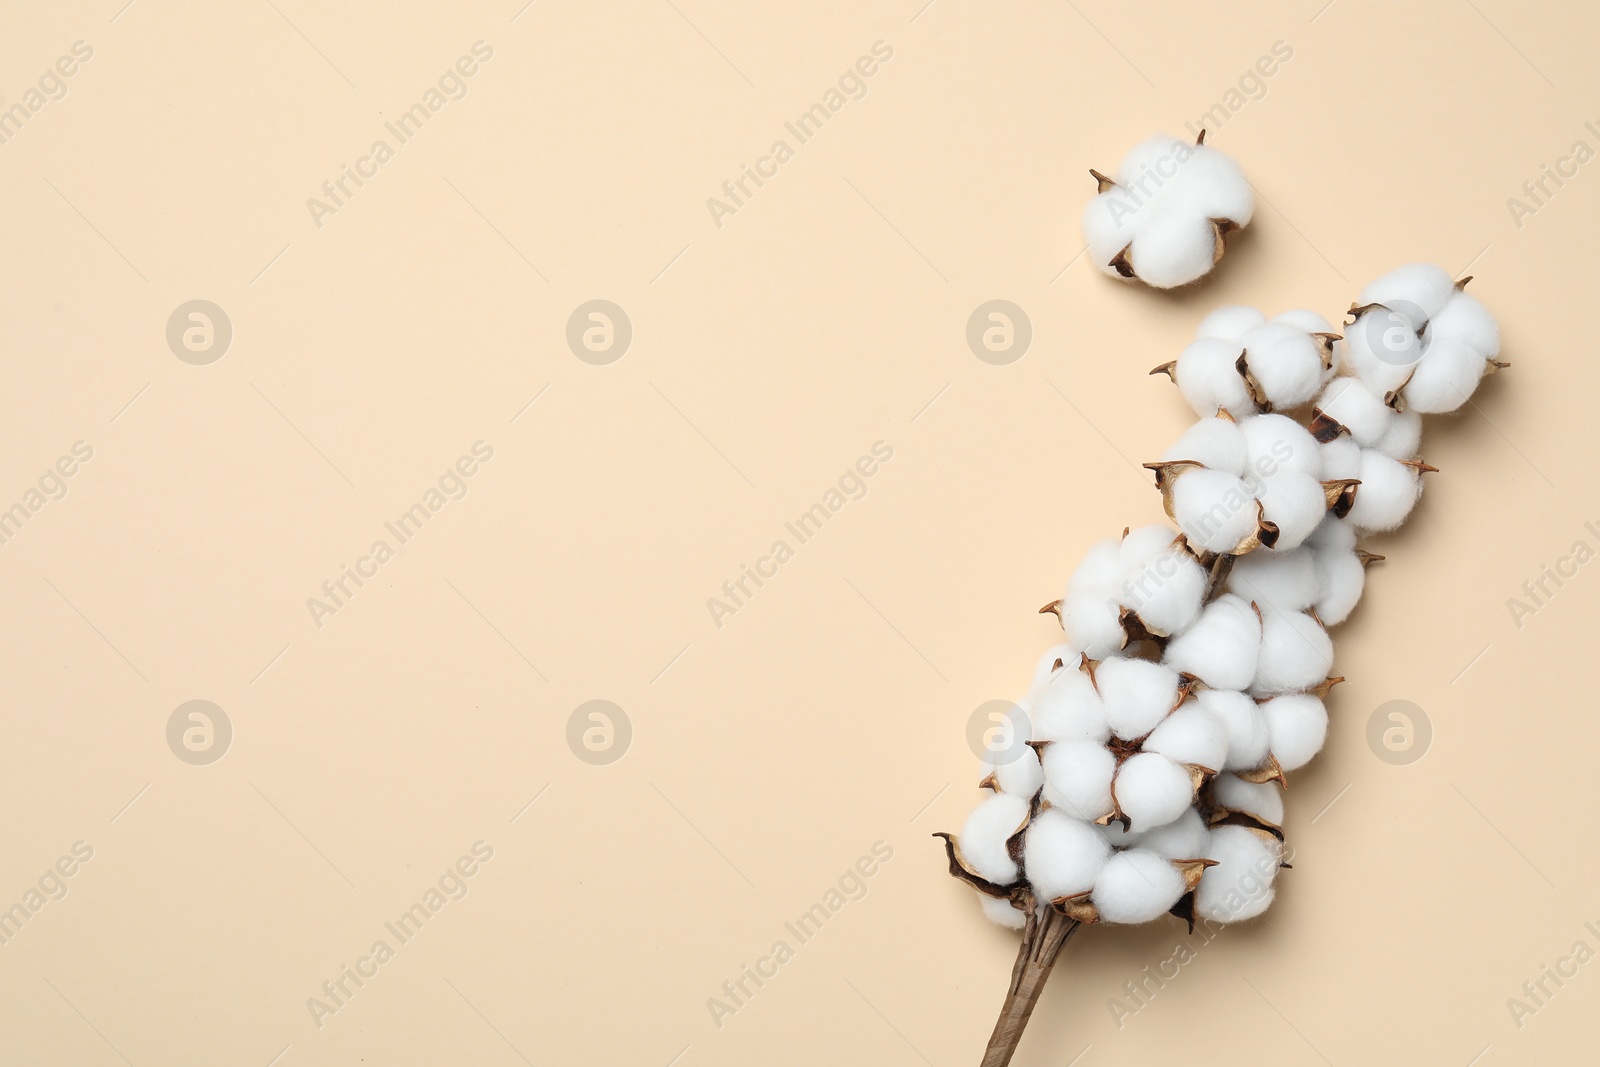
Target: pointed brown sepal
1419	466
1324	687
960	869
1169	368
990	782
1198	775
1253	387
1497	364
1184	909
1323	428
1220	228
1368	558
1341	504
1056	666
1077	908
1052	608
1105	183
1228	817
1191	871
1226	416
1200	139
1335	488
1168	471
1087	666
1267	772
1037	746
1266	530
1326	342
1120	264
1462	284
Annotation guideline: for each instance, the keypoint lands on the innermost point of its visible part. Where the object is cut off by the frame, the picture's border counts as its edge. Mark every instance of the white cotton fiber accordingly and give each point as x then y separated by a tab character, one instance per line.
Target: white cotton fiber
1275	581
1354	405
1340	580
1465	320
1077	778
1421	285
1215	511
1208	377
1184	838
1021	776
983	838
1069	709
1305	321
1190	735
1341	457
1151	790
1136	886
1092	622
1001	913
1136	694
1444	379
1213	442
1248	738
1276	444
1264	800
1285	362
1383	349
1298	724
1062	855
1221	647
1173	249
1400	441
1296	654
1116	835
1229	324
1239	887
1045	666
1388	491
1161	580
1294	504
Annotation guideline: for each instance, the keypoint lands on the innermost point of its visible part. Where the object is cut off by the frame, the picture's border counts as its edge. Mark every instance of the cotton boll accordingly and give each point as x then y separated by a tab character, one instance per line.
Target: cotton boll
1136	886
1295	504
1213	185
1422	285
1264	800
1069	709
1341	458
1358	408
1001	913
1276	444
1465	320
1077	778
983	838
1296	653
1239	887
1190	735
1382	348
1161	581
1400	441
1229	324
1444	379
1388	491
1215	443
1173	248
1091	622
1062	855
1151	790
1022	776
1221	647
1285	362
1341	577
1215	511
1208	377
1275	581
1298	723
1137	695
1184	838
1246	724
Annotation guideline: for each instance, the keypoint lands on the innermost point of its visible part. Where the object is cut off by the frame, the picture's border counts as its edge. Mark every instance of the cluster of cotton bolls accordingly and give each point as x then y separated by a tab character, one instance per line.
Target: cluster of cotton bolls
1162	219
1197	660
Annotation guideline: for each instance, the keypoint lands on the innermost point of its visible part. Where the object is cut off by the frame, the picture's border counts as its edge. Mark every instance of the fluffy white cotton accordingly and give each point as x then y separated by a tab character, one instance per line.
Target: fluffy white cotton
1427	339
1275	581
1136	886
1341	458
1069	709
1022	776
1044	667
1305	320
1184	838
1151	790
1089	608
1001	913
1384	347
1161	581
1421	285
1388	491
1340	581
1212	442
1444	379
1246	725
1298	725
1215	511
1358	408
1463	319
1208	377
1221	647
1190	735
1136	694
1264	800
1296	653
1400	441
983	838
1063	856
1276	444
1077	778
1229	324
1285	362
1294	504
1157	218
1239	887
1116	835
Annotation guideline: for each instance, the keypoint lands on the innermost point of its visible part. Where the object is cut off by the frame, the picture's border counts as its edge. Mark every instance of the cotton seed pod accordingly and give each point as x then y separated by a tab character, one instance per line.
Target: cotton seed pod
1069	708
1151	790
1162	219
1248	738
1136	886
1240	886
1136	694
1062	856
1215	510
984	837
1388	491
1148	583
1275	581
1296	654
1262	801
1002	912
1207	374
1298	725
1184	838
1221	647
1424	341
1242	363
1284	365
1077	778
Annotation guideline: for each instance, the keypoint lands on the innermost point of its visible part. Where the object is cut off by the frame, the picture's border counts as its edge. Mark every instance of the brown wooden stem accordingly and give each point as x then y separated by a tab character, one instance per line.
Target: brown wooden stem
1041	943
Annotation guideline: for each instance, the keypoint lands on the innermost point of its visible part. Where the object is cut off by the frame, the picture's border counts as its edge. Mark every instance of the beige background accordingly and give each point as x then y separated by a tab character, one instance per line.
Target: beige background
768	354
